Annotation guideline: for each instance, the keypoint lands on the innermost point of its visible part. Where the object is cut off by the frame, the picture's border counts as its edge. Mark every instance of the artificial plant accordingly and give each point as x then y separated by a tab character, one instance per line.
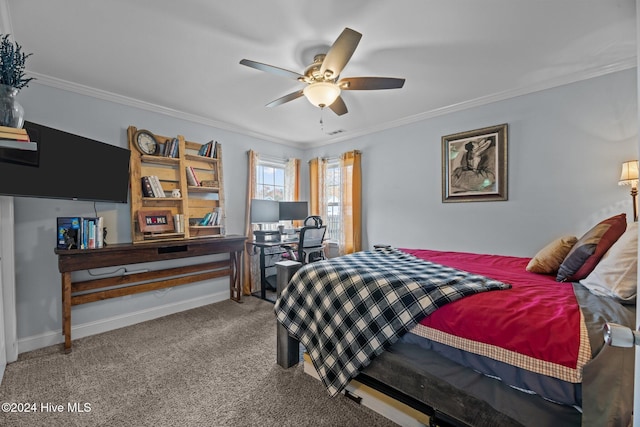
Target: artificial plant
12	64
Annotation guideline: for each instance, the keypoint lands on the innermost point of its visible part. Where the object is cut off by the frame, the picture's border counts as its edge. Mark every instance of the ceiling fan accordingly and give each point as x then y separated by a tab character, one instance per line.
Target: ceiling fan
323	76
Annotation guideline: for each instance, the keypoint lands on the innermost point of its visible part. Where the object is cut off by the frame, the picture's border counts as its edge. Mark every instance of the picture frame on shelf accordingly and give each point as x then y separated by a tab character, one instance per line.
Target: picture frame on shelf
155	221
474	165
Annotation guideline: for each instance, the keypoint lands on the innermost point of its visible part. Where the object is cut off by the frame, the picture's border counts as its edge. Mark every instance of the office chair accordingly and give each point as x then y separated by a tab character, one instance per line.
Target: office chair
310	247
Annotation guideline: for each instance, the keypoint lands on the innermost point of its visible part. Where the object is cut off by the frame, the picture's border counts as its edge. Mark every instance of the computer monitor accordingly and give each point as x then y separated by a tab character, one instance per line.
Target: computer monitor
264	211
291	211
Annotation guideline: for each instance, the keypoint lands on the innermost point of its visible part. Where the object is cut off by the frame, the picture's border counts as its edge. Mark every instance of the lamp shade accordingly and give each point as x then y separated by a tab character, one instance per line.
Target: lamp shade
629	175
321	94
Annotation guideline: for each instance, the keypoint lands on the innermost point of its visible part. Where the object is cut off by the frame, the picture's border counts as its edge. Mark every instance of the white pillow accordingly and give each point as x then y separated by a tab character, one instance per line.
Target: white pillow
616	275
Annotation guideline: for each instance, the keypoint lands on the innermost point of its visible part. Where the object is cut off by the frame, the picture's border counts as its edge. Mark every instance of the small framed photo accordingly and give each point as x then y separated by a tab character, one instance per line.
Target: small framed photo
474	165
155	221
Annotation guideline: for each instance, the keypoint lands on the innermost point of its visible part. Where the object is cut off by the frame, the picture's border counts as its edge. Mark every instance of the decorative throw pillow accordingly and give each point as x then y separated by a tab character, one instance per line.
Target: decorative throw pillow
549	258
585	254
616	275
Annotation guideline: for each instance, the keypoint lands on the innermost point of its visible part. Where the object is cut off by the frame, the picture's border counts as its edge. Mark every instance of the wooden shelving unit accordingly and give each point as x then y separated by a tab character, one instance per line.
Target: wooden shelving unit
195	201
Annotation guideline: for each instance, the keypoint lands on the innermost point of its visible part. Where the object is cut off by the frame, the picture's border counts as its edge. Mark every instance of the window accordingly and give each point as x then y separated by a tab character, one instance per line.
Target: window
333	200
270	182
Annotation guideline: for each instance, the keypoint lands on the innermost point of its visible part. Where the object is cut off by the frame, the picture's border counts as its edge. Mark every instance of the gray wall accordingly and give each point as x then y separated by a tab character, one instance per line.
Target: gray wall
566	146
37	276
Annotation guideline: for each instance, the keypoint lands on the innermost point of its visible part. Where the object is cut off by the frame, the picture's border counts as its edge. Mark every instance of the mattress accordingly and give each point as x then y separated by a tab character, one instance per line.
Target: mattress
530	353
532	336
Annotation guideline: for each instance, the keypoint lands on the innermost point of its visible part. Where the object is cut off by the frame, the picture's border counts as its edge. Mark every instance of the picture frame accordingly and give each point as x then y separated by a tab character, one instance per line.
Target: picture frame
474	165
158	221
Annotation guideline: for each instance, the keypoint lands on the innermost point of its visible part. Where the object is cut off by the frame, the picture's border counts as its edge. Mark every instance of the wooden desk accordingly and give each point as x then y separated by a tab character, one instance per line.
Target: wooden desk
128	253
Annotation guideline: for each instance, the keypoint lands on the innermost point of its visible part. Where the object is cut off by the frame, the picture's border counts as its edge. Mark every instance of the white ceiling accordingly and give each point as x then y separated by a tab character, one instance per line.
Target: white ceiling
182	57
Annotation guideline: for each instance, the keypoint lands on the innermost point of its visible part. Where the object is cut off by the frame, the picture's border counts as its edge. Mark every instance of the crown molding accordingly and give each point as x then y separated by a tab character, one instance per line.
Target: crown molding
5	18
143	105
524	90
627	64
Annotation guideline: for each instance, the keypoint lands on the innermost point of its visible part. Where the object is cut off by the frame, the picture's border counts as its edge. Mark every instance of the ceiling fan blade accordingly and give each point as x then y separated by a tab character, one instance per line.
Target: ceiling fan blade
271	69
339	107
286	98
340	53
370	83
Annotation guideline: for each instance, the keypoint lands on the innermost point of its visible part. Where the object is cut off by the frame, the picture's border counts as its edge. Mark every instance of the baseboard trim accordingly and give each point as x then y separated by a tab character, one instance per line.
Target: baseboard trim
47	339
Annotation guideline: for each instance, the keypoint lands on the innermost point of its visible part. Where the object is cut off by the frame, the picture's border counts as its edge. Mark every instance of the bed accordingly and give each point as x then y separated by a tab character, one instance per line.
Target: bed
476	339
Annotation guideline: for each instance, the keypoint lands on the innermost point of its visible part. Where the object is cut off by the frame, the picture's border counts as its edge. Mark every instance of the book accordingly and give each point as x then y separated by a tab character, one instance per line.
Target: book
218	220
84	233
205	220
100	232
91	233
214	152
192	179
176	148
13	130
213	219
147	190
68	229
15	136
173	148
202	150
156	186
208	149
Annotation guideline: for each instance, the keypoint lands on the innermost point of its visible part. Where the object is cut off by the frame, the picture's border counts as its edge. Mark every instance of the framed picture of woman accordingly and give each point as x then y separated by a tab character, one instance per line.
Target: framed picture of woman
474	165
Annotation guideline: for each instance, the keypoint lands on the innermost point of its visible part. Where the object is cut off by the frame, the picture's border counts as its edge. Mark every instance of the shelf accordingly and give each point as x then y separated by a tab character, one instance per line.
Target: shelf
201	158
206	236
159	159
195	189
163	236
19	145
195	202
24	153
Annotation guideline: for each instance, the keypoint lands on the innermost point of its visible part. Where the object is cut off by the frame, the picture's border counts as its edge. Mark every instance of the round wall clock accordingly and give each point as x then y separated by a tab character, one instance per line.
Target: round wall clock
146	142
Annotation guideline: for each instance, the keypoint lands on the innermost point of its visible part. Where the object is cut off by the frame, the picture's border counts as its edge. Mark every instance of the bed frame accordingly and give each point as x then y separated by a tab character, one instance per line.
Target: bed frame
447	393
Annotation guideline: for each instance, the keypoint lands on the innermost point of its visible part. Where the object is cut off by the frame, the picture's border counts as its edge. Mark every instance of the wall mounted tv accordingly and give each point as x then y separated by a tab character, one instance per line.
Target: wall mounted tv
69	167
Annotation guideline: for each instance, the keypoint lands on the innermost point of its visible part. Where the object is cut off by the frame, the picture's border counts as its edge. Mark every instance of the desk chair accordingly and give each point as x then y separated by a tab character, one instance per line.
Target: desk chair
310	247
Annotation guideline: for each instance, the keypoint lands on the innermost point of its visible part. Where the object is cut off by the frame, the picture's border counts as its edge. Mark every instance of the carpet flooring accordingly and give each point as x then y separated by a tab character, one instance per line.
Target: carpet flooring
210	366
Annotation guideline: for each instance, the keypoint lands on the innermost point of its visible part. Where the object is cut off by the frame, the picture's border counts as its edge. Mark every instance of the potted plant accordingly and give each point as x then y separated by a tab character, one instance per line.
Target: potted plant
12	79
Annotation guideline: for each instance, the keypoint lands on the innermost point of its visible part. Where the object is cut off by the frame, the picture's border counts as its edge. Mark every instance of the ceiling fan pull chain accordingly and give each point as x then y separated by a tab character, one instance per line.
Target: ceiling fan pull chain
321	121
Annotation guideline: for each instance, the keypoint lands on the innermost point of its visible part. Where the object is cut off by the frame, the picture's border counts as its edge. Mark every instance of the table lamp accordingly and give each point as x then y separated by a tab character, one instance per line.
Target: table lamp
629	176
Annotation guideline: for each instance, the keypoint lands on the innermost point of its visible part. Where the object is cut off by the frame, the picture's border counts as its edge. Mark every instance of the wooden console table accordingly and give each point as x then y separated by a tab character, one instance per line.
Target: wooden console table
127	253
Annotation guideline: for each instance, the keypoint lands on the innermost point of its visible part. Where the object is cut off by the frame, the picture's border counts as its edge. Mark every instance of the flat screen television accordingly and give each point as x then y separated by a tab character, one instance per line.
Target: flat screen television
69	167
264	211
291	211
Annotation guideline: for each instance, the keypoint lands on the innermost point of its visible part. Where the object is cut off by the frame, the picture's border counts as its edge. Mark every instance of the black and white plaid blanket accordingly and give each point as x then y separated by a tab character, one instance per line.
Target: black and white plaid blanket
347	310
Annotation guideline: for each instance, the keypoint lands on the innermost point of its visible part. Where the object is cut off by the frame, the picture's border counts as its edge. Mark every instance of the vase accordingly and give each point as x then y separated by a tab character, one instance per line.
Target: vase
11	112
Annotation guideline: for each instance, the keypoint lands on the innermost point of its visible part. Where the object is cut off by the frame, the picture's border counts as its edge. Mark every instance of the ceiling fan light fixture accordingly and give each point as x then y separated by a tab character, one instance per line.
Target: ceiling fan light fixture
322	78
321	94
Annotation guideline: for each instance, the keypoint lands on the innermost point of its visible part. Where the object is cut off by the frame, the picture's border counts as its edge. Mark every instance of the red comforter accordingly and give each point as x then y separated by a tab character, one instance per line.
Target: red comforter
536	325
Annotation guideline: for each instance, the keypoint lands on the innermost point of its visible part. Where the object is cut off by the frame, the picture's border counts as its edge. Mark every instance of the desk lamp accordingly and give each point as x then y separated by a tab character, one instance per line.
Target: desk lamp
629	176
